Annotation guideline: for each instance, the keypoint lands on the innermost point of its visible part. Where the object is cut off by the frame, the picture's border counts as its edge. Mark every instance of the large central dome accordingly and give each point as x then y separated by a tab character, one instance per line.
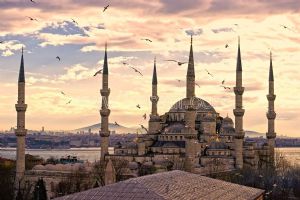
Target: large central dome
200	105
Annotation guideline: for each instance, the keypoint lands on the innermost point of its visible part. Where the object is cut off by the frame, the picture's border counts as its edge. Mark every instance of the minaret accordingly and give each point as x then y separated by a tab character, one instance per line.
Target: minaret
20	131
104	112
271	115
190	135
190	76
239	112
154	122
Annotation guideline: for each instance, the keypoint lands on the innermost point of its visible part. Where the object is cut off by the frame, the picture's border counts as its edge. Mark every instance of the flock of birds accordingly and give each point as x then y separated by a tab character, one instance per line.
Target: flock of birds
179	63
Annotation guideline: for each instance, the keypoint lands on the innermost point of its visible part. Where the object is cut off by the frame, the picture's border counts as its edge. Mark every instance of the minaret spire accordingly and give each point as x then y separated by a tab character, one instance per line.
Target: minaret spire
239	112
271	115
20	131
154	122
190	76
104	112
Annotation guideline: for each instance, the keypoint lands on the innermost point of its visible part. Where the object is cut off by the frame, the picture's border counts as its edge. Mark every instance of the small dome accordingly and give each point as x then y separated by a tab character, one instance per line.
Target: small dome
174	128
38	167
227	120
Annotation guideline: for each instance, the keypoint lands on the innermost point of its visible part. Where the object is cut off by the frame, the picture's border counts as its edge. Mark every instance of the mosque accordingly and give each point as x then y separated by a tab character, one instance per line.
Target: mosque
191	136
192	133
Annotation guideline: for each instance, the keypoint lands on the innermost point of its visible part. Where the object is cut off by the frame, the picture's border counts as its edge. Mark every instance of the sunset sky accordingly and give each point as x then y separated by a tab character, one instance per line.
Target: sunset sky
168	23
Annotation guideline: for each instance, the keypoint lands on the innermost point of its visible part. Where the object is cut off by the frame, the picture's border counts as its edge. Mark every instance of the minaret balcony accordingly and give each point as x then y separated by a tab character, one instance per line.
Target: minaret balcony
105	92
104	133
154	99
271	97
21	132
238	90
21	107
238	112
239	135
154	118
271	135
104	112
271	114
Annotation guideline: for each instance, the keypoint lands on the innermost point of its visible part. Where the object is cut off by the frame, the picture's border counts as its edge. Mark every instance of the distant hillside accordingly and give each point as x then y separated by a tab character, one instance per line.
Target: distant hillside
112	127
253	134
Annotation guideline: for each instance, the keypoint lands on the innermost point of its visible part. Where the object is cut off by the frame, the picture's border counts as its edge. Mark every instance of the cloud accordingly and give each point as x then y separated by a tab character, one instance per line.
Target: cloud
225	29
7	48
194	32
63	28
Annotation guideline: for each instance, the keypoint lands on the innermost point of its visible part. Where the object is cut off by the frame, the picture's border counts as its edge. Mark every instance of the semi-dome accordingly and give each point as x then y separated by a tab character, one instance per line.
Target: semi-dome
174	128
200	105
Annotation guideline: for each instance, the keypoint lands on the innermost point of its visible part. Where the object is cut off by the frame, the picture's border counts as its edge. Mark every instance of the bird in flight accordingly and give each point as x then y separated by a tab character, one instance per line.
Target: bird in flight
63	93
209	73
74	21
286	27
197	84
32	19
178	62
143	127
145	116
98	72
58	58
178	80
226	45
69	102
116	123
223	82
225	88
32	1
137	71
138	106
146	39
105	8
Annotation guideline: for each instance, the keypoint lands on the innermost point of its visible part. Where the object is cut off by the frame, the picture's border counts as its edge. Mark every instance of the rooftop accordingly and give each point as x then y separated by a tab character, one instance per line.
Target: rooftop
173	185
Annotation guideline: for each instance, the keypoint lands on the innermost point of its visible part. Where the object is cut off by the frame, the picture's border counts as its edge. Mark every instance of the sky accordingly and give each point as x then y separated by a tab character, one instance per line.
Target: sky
262	26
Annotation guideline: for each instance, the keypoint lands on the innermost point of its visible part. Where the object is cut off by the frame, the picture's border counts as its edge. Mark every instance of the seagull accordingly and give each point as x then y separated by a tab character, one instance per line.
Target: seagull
209	73
138	106
287	27
197	84
117	124
143	127
58	58
226	88
226	45
63	93
32	19
223	82
74	21
178	62
105	8
136	71
145	116
98	72
146	39
69	102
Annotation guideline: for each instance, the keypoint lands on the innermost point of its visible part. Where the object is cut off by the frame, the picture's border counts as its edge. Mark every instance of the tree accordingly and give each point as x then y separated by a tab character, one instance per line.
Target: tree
40	192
